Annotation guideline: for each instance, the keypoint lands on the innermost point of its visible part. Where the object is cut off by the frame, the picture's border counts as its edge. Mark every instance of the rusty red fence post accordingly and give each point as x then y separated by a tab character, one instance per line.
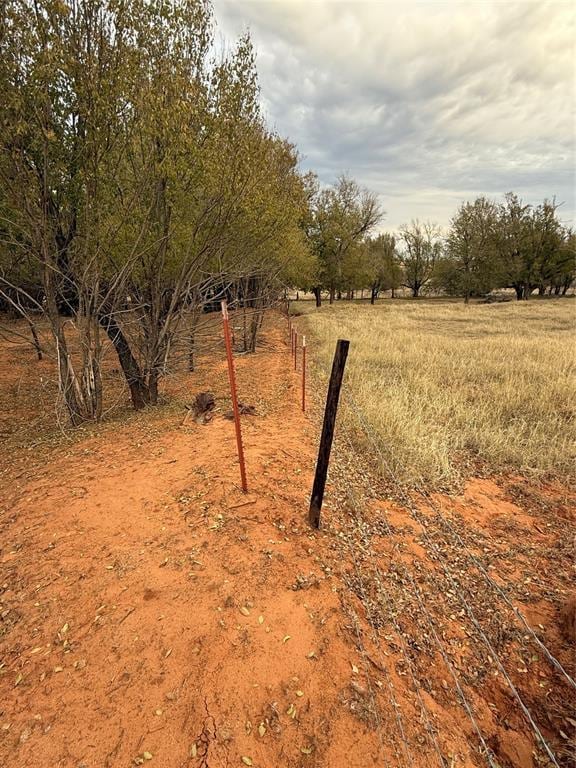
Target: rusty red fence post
232	377
304	373
295	348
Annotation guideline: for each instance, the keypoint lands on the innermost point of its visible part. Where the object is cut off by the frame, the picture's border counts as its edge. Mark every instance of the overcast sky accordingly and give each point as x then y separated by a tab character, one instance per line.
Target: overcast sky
426	103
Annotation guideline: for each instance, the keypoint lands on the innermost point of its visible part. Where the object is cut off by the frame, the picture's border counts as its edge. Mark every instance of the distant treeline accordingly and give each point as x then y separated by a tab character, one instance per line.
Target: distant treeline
488	245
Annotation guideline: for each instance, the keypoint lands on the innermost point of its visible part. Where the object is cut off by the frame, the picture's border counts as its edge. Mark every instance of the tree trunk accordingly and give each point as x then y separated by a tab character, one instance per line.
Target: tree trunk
519	291
35	339
373	295
392	293
415	291
467	297
332	295
317	295
132	373
191	347
153	386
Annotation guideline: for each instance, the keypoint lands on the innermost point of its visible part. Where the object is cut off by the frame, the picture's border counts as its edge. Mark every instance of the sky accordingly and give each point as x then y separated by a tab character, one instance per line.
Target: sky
426	103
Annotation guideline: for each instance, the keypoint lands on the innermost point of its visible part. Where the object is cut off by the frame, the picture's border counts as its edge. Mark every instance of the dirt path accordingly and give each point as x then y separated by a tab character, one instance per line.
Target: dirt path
153	613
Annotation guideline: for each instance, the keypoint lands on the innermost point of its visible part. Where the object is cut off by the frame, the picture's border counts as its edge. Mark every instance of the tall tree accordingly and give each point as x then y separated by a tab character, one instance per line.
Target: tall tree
385	273
422	250
470	247
342	216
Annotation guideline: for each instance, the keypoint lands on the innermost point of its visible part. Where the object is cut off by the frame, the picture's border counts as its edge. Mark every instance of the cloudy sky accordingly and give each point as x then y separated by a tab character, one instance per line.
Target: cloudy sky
426	103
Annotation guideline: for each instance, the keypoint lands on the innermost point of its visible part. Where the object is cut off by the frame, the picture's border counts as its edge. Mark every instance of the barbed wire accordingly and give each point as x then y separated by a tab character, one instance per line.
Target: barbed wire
376	640
454	584
380	588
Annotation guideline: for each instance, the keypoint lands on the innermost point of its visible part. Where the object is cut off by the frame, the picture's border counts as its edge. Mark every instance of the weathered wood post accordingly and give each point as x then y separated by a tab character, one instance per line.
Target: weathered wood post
236	410
330	411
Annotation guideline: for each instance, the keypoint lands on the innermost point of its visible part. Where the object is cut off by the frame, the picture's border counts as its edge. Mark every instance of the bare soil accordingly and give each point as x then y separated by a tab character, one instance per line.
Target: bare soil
152	613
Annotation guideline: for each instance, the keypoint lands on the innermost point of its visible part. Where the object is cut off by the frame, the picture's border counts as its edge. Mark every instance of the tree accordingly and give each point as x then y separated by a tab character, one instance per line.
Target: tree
529	241
422	250
342	216
384	270
60	75
470	248
139	182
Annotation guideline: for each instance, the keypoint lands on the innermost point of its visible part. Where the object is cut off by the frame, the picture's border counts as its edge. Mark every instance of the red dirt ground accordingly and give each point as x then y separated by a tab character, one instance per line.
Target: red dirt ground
152	613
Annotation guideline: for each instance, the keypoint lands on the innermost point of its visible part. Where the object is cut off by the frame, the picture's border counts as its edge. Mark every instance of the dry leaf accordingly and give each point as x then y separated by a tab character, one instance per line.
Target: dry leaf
260	619
299	693
306	750
193	750
247	760
286	638
244	611
355	669
261	729
147	755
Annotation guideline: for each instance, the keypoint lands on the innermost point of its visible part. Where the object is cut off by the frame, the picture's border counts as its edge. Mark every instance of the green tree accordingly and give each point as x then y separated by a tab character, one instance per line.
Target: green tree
385	273
421	253
470	249
342	216
529	242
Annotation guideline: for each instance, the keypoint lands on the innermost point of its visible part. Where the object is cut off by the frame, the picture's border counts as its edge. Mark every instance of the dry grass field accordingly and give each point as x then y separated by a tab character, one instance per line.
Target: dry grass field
448	390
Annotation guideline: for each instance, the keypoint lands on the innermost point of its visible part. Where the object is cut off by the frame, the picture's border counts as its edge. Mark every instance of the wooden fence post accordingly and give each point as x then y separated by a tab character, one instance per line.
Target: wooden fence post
332	398
236	410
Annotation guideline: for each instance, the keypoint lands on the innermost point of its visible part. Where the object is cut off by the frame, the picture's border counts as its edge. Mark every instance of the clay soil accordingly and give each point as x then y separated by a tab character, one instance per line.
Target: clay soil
151	613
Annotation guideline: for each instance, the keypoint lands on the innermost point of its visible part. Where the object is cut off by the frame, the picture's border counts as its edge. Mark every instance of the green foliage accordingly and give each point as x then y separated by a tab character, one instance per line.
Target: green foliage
422	250
340	218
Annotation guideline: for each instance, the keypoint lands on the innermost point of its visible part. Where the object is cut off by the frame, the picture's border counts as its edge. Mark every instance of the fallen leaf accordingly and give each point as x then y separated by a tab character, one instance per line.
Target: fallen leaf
306	750
193	750
244	611
247	760
286	638
260	619
147	755
168	652
299	693
261	729
355	669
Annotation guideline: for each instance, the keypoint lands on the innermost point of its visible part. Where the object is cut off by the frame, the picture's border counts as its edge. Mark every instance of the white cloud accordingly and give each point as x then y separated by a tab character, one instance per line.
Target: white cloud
427	103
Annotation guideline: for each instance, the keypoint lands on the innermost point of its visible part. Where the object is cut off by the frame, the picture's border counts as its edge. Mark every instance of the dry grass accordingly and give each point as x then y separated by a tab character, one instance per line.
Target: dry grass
447	389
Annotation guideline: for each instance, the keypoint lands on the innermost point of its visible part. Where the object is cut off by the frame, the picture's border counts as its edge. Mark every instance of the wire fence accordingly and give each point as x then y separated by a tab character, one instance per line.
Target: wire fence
438	536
